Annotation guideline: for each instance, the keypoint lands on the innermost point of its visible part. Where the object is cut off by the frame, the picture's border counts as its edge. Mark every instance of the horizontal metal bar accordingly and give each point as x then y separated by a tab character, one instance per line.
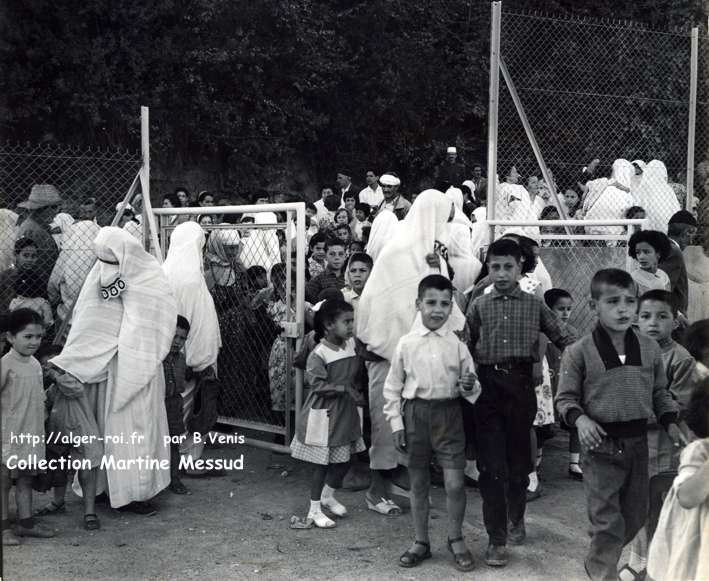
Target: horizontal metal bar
252	425
256	443
255	208
622	237
633	222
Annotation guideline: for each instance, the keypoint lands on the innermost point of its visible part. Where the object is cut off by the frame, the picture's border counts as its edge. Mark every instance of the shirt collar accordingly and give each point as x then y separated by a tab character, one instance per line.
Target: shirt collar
423	331
515	293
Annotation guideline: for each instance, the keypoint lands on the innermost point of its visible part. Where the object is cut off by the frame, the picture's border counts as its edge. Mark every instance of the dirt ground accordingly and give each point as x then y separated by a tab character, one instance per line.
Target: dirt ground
236	527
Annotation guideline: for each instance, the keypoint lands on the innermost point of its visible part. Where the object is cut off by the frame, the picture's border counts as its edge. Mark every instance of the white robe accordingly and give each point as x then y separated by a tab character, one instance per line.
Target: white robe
612	202
383	229
656	196
120	343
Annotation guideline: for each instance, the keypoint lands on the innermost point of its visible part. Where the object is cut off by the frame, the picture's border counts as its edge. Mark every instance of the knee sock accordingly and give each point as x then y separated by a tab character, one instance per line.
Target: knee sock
471	469
533	481
328	492
574	457
315	506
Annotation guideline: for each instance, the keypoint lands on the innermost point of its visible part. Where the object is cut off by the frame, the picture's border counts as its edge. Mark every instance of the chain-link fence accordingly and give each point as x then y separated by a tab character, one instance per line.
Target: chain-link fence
254	290
54	200
599	91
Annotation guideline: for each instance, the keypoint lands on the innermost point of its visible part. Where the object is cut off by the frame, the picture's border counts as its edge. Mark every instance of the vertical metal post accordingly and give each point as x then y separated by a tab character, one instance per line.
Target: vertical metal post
288	340
300	301
493	105
145	170
693	72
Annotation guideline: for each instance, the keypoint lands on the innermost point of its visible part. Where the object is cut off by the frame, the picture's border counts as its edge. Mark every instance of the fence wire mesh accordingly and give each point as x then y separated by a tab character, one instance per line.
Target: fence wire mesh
47	249
247	276
599	91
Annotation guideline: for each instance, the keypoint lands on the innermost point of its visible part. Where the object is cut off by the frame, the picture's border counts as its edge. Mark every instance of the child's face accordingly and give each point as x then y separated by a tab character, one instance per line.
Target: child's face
343	234
178	341
571	198
358	273
646	256
310	216
655	319
638	215
341	218
435	307
615	307
335	256
205	220
27	341
562	308
350	204
26	258
359	214
261	281
356	246
342	327
504	272
319	251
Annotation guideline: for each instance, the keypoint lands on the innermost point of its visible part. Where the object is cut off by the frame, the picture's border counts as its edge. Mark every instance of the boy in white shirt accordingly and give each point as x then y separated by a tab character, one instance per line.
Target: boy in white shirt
430	371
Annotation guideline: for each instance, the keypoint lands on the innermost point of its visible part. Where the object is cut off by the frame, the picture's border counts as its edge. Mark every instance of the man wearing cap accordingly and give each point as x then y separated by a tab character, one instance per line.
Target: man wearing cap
42	205
344	182
393	200
450	172
681	229
372	194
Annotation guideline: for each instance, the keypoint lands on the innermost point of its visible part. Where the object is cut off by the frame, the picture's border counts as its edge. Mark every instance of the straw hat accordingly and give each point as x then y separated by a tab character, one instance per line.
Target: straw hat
42	196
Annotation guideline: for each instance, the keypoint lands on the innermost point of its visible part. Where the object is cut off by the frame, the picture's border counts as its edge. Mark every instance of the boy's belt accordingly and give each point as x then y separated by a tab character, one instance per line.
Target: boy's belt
508	366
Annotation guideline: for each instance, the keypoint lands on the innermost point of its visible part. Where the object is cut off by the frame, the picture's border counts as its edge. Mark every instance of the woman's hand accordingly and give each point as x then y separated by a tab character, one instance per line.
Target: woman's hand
433	260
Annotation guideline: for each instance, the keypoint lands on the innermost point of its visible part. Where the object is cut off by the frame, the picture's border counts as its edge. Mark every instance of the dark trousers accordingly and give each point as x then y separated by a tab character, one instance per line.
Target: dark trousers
504	414
616	484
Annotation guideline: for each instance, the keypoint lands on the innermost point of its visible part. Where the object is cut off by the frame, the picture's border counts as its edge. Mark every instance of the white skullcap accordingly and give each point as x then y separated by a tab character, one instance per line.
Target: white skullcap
451	150
389	180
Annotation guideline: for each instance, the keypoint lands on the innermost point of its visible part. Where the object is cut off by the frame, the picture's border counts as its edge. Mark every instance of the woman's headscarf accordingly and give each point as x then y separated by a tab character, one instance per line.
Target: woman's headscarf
8	234
480	232
656	196
611	202
59	227
221	267
124	310
461	254
183	268
387	306
384	228
261	247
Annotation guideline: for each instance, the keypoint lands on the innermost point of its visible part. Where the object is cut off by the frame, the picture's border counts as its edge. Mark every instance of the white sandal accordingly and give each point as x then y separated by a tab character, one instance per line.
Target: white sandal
321	520
385	506
334	506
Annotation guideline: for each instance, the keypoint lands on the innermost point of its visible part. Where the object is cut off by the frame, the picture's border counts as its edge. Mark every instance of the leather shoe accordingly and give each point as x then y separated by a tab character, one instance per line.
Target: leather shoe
517	534
496	556
409	559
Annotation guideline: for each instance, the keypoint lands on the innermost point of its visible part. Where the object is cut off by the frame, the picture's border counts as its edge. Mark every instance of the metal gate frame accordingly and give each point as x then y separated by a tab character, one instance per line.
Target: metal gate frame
293	329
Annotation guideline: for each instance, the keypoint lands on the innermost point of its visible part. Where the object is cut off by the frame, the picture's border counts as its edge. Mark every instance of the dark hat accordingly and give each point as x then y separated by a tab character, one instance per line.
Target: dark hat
683	217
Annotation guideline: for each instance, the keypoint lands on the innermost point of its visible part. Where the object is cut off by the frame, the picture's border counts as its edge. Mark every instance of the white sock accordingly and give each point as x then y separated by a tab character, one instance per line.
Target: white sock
533	481
574	457
315	507
327	492
471	469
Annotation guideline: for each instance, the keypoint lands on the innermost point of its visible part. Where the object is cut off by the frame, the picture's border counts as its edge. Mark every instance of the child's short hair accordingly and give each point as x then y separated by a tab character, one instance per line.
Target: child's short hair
434	281
331	294
278	273
332	241
659	241
357	247
364	207
311	206
253	272
661	296
349	195
630	212
183	323
18	319
554	295
548	211
343	227
698	408
316	239
696	339
327	313
504	247
610	277
22	243
363	258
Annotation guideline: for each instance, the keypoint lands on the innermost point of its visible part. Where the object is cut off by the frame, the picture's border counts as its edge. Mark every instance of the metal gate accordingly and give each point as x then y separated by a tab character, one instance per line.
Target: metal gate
255	270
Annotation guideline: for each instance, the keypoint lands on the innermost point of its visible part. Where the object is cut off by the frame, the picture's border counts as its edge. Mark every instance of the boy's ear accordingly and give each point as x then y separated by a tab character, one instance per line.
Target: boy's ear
675	324
592	304
418	304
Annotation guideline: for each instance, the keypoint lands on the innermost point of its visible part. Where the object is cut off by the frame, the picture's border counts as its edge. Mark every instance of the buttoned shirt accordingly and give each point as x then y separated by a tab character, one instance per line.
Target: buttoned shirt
426	365
371	196
504	328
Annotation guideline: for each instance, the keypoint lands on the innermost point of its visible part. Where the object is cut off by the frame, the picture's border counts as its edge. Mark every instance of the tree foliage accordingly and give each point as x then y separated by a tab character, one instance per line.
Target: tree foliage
256	89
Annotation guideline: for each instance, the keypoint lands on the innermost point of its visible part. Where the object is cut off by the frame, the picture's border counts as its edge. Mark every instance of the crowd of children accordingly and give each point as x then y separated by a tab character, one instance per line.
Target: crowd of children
445	377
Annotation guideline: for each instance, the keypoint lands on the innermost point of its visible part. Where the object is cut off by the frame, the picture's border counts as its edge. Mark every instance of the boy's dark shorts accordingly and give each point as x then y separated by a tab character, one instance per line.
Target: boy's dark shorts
175	419
434	427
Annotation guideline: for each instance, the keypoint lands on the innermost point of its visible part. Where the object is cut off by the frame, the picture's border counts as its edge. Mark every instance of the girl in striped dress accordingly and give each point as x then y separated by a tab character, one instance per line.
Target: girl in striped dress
330	429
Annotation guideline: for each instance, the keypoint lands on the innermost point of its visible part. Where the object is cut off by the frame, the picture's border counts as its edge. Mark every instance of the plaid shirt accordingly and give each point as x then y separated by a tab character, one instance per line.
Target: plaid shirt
327	279
504	328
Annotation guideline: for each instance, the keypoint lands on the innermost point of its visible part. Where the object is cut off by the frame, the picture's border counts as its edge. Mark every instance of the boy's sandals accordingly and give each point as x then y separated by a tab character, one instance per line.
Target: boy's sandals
9	539
575	471
51	508
91	522
321	520
385	506
410	559
462	561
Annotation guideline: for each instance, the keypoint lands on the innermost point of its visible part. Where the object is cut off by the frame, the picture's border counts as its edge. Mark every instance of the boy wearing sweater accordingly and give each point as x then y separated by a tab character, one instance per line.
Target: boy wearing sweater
430	371
611	383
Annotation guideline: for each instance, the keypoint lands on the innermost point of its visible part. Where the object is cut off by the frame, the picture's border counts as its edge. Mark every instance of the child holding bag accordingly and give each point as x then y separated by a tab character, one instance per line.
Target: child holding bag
330	429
